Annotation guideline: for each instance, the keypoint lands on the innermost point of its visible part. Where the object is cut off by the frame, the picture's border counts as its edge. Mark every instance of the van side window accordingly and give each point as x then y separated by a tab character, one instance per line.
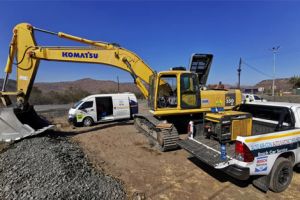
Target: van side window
88	104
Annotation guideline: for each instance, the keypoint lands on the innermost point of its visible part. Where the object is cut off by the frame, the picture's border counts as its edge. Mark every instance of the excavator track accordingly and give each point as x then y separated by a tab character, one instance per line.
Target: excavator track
165	138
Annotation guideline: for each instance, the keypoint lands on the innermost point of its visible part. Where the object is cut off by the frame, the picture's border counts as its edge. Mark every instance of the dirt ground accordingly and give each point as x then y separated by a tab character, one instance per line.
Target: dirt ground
119	150
3	146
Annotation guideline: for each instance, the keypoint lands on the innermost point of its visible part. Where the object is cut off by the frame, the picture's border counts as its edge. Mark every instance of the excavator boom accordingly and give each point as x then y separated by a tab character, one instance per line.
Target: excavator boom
24	48
20	120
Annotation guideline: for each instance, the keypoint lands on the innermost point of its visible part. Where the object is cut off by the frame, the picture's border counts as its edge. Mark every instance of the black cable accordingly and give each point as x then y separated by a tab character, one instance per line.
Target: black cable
257	70
11	59
23	56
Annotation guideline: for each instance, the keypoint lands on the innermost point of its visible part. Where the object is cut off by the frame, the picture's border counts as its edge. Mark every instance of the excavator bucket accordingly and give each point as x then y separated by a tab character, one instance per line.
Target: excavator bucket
16	124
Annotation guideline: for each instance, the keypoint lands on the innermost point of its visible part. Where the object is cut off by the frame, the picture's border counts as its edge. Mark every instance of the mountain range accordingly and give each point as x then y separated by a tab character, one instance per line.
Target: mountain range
106	86
90	85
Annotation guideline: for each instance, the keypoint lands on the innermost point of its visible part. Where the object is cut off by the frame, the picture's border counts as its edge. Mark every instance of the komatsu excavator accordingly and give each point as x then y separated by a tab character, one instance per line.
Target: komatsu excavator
174	96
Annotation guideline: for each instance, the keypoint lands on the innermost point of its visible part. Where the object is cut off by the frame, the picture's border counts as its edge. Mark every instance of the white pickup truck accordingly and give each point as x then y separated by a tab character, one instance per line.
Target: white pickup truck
269	152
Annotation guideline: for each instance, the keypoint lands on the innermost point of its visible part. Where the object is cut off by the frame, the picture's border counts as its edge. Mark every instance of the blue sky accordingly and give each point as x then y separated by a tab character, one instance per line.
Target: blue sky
165	34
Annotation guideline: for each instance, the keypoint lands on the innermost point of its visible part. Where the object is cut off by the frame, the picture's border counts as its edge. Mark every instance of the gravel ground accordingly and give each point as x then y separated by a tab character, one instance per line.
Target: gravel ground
52	168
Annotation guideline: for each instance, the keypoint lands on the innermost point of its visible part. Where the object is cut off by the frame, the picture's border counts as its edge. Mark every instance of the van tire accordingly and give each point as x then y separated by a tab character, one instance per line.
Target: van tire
88	121
281	175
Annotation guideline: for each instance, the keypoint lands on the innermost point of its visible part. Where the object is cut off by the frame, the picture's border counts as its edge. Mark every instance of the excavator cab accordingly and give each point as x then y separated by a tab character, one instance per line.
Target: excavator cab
179	88
173	90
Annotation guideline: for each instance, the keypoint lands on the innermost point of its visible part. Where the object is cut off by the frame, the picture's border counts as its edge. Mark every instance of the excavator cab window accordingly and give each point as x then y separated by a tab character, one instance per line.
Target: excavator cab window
167	92
152	84
189	90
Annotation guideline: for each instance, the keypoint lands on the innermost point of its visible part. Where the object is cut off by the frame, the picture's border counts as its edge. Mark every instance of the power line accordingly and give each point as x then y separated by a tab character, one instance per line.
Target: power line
255	69
267	56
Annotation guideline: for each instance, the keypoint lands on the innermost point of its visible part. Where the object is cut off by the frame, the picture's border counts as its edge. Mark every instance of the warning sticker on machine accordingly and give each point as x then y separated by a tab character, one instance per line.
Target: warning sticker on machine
230	99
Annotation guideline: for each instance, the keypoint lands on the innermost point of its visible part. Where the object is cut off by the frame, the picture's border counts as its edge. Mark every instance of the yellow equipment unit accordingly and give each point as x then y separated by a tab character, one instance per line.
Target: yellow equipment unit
226	126
171	94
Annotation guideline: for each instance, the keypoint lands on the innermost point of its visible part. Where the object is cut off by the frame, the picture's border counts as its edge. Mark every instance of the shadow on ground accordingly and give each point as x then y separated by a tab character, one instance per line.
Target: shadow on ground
81	130
219	174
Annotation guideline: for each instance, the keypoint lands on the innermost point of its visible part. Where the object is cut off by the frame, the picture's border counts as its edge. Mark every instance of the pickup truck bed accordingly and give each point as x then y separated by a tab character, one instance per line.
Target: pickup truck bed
259	128
207	150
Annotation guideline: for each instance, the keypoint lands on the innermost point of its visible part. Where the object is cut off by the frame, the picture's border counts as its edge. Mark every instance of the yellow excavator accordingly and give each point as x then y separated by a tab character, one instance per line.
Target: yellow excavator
174	97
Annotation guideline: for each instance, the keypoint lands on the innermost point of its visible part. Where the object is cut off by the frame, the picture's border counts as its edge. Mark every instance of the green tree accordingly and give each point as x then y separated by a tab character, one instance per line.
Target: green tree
295	81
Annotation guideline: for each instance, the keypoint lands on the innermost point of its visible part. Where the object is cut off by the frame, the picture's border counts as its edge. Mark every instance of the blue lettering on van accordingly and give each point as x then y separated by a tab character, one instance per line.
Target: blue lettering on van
79	55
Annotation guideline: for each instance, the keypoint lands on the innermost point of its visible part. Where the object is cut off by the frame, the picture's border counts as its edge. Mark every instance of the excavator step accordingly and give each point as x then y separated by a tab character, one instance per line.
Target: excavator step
16	124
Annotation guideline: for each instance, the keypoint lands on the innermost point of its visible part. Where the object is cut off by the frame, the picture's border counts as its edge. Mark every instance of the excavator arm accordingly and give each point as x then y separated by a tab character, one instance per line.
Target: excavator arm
26	53
21	120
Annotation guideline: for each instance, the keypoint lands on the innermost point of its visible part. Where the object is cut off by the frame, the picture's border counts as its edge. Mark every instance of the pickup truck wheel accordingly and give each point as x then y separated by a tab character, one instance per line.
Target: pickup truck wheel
88	121
281	175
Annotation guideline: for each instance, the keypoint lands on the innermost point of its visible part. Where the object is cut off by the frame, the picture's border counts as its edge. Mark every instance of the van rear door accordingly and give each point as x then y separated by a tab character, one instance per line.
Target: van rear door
134	106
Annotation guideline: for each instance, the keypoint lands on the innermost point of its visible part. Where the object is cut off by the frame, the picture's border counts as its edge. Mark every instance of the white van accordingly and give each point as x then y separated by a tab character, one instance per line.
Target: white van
103	107
252	98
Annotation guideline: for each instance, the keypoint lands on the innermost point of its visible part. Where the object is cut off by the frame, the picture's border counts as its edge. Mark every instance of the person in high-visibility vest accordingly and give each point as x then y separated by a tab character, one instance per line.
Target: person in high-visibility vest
247	100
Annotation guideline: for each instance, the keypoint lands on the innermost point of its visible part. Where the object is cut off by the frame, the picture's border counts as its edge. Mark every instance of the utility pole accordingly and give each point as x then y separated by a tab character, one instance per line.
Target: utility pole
239	73
118	84
274	50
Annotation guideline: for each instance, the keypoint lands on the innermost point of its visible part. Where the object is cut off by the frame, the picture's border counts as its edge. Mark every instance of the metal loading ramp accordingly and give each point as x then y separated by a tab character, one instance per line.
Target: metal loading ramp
207	155
16	124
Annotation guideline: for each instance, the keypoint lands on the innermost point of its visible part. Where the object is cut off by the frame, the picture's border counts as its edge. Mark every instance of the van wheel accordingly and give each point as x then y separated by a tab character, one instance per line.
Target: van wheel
88	121
281	175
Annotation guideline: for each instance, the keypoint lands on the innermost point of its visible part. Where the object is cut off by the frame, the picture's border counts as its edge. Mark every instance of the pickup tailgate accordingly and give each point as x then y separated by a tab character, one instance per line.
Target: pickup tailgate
208	153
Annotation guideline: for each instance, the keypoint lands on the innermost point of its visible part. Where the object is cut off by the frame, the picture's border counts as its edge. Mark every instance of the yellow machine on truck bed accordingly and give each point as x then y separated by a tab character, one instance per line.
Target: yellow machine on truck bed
226	126
170	94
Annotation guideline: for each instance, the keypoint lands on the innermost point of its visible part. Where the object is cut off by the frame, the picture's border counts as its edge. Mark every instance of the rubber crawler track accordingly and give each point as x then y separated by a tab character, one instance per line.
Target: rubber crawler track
147	125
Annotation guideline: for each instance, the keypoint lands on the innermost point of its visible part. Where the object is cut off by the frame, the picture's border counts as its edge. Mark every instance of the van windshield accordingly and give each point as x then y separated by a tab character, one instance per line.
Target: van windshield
76	104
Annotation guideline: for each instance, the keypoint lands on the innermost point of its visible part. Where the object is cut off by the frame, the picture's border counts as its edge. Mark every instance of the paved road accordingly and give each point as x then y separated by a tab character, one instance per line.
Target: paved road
43	108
